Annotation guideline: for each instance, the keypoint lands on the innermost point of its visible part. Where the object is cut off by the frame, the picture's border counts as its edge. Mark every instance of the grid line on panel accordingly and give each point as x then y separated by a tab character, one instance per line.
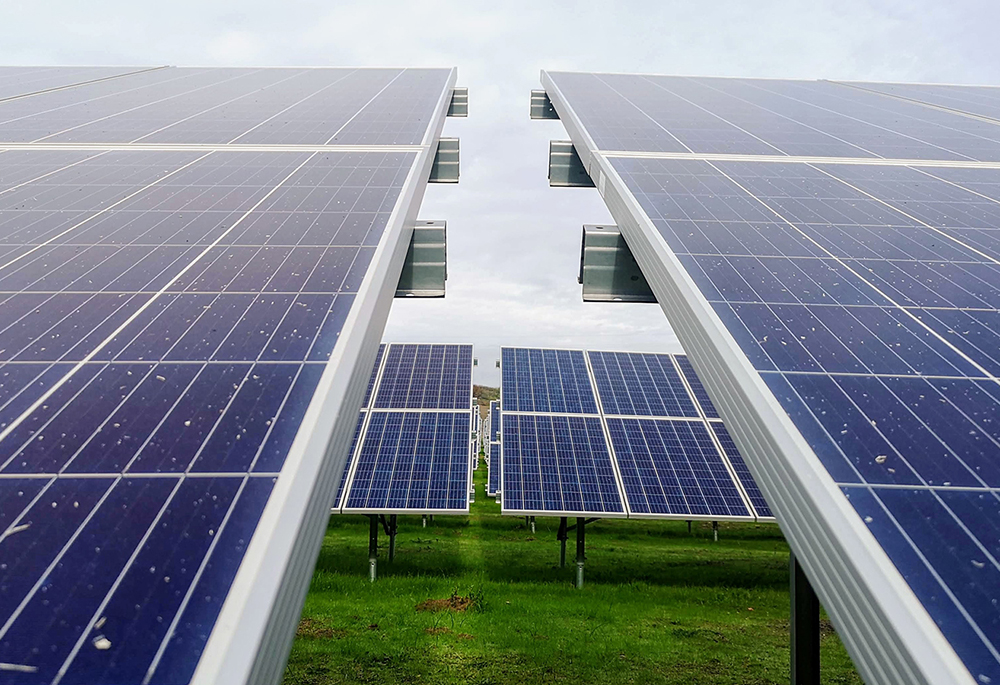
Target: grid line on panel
951	110
797	159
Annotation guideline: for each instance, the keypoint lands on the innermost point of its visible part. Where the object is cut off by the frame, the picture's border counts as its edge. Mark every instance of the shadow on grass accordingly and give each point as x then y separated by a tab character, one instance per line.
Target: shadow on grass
660	553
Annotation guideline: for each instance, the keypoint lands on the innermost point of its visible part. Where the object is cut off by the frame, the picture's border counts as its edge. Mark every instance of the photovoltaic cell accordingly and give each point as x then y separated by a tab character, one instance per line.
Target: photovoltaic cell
413	461
23	81
732	453
536	380
495	466
635	384
557	464
426	377
495	421
165	317
673	467
697	389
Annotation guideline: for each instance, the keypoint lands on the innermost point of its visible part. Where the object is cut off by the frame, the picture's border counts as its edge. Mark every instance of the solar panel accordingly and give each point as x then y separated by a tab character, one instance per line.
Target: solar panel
632	384
168	376
557	465
672	467
743	474
412	462
494	421
495	465
426	377
842	302
537	380
697	389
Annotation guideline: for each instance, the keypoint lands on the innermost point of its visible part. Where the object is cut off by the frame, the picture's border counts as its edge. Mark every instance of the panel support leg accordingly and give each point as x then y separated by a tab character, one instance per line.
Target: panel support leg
580	539
804	627
392	537
561	536
532	524
715	531
689	527
423	520
372	546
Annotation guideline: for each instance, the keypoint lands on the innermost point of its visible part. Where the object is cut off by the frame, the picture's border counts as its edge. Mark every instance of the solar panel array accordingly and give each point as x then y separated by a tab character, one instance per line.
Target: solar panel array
646	449
413	451
167	313
830	252
493	460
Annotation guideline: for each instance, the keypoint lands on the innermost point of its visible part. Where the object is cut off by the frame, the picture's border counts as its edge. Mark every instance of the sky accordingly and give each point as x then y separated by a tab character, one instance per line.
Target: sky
513	242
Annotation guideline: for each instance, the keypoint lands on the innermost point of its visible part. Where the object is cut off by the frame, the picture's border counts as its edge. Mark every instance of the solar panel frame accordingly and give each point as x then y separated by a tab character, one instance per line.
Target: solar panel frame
889	635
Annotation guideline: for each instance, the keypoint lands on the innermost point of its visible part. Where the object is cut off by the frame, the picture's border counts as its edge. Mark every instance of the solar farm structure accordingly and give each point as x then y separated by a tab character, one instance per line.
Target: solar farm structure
196	266
827	253
591	435
493	459
413	446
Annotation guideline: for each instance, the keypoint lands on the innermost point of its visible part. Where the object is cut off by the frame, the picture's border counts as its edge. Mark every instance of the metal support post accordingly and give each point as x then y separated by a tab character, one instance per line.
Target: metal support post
689	527
561	536
580	539
423	520
804	627
715	531
372	546
532	524
392	537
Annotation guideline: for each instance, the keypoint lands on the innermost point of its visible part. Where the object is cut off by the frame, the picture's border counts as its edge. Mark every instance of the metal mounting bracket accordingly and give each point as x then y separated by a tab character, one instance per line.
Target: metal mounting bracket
426	267
608	271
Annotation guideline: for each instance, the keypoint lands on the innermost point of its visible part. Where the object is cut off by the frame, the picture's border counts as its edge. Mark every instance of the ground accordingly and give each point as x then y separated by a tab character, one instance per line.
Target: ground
482	600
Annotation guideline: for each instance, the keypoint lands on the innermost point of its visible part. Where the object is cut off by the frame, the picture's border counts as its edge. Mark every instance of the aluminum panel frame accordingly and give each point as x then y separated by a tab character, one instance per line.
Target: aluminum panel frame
886	630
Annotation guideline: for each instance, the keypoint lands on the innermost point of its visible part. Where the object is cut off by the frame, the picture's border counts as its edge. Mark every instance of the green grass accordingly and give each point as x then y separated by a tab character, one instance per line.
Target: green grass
659	605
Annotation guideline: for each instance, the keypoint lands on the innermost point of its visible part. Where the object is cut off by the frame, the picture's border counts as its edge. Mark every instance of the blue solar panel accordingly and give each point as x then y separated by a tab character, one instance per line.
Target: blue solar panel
494	463
743	474
495	421
865	295
551	381
673	468
349	461
636	384
697	389
374	376
412	461
165	318
557	464
671	114
426	377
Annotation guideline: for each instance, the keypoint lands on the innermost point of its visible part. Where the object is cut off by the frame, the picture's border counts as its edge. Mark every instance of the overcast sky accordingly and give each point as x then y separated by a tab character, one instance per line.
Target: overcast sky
514	243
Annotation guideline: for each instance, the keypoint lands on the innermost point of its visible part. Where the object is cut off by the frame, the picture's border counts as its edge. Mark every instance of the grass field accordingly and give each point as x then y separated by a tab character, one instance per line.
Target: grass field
659	605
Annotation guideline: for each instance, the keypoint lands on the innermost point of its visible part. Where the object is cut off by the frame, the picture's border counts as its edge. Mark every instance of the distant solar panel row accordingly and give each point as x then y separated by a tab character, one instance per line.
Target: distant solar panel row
613	462
413	451
166	316
858	277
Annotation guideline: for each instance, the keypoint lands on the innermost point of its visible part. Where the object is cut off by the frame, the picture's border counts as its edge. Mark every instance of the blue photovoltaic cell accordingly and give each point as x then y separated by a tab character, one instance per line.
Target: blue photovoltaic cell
374	376
349	460
550	381
740	467
412	461
426	377
638	384
767	117
495	421
697	389
673	468
495	466
865	295
557	464
165	317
